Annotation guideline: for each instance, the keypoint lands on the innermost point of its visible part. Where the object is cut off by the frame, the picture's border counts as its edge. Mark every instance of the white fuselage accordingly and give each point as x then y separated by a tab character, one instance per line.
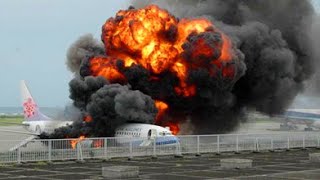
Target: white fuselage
145	135
137	134
46	126
138	130
142	131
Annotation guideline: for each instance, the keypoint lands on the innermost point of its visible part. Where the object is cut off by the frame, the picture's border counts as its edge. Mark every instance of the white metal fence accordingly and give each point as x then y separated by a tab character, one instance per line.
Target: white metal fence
105	148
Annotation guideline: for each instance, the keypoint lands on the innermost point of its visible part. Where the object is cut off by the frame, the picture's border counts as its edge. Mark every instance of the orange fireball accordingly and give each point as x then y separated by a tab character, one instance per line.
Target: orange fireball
154	39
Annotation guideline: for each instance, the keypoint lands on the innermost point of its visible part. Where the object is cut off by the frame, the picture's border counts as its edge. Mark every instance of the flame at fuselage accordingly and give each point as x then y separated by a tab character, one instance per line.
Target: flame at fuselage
74	142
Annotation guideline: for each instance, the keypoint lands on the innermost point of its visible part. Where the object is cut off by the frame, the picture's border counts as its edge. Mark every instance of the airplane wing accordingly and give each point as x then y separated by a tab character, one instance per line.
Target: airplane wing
19	132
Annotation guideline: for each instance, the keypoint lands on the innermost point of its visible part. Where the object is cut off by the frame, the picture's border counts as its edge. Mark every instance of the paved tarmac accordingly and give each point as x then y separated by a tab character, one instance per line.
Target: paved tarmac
291	164
12	135
10	139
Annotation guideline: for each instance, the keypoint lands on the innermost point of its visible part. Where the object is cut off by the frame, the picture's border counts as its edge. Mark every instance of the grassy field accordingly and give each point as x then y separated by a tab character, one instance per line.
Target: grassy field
10	121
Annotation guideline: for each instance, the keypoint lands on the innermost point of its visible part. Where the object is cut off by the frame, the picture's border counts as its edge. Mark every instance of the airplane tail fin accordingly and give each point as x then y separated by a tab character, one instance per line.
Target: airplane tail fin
30	108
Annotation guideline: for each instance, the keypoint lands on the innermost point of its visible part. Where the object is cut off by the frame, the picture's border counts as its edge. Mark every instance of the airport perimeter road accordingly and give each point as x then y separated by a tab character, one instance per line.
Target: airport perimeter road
13	135
292	164
10	139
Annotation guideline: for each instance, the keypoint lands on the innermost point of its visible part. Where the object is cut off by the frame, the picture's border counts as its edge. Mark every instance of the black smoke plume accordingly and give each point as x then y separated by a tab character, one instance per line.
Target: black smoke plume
274	36
109	105
273	58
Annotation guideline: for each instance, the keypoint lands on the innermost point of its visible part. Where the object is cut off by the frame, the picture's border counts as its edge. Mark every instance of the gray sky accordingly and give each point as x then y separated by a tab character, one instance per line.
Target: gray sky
34	38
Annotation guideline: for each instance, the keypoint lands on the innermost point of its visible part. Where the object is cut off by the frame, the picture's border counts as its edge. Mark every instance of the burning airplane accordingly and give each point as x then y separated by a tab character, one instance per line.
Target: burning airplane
188	73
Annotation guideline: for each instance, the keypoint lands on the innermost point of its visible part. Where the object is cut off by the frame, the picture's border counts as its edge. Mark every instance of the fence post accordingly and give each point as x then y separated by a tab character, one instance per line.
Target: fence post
79	152
19	155
130	148
77	147
288	145
154	149
271	145
218	144
105	148
178	152
198	145
49	150
303	142
318	146
257	145
237	144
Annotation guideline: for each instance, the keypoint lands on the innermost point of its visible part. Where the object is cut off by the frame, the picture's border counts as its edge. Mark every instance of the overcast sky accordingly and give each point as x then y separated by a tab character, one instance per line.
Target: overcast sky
34	38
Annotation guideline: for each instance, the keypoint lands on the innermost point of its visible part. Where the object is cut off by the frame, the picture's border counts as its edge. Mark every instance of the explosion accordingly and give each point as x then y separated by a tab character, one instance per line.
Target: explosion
188	73
162	45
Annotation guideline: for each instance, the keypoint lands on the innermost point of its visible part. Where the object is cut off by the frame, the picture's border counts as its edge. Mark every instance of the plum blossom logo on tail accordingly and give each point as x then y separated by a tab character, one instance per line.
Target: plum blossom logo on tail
29	108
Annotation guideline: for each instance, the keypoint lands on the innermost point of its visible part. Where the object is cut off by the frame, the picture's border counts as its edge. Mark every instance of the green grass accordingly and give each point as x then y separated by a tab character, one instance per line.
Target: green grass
10	121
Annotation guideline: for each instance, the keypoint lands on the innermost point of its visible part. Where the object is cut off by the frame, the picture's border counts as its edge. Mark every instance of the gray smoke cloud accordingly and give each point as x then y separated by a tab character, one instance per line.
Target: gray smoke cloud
134	105
313	86
109	105
81	90
275	39
114	105
272	78
85	47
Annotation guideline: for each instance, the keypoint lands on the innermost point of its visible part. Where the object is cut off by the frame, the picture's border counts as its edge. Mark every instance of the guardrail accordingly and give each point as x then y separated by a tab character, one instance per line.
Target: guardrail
105	148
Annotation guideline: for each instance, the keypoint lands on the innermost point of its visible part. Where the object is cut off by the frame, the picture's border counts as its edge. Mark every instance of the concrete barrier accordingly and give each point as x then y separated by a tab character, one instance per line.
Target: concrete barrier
235	163
314	157
120	172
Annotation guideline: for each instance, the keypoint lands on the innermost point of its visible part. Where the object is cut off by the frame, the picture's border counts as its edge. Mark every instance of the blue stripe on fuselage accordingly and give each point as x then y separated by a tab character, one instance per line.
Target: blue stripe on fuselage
160	141
166	140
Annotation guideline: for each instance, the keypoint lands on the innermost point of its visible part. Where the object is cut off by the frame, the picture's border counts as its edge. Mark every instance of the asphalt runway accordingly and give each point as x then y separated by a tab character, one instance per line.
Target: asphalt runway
9	139
13	136
291	164
260	127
